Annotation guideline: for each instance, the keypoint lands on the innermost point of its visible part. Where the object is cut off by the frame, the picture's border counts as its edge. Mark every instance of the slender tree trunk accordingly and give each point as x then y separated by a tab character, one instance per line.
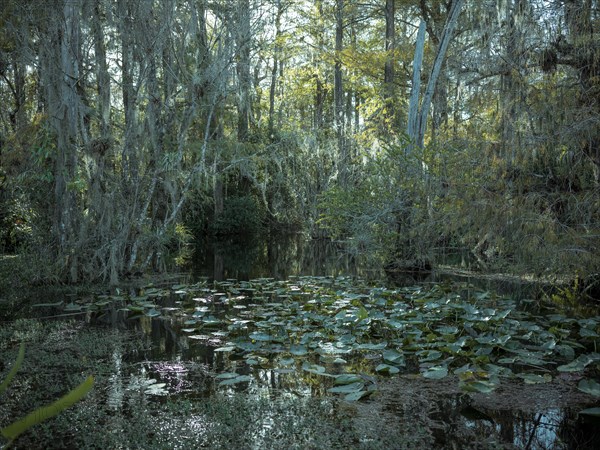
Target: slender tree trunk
243	36
102	75
412	128
417	122
510	86
389	89
276	56
338	94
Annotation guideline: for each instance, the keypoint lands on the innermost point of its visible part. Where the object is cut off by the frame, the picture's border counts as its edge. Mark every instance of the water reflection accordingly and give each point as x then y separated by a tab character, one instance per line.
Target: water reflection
182	361
183	367
245	259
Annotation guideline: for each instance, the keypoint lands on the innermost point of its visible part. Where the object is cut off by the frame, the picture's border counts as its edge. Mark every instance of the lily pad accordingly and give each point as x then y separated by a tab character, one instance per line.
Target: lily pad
228	348
236	380
436	372
532	378
594	412
355	396
347	388
387	369
482	386
298	350
347	378
589	387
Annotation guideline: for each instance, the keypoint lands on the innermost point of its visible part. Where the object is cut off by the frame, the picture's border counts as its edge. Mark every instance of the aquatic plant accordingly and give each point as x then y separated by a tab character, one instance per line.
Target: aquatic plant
15	429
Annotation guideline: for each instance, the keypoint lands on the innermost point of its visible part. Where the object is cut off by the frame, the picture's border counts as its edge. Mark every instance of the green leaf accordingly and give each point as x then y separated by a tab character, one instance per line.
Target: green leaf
236	380
589	387
386	368
228	348
287	362
226	375
355	396
152	312
156	389
393	356
47	305
432	355
12	431
298	350
362	313
482	386
532	378
347	378
436	372
347	388
316	369
14	369
73	307
594	412
371	346
448	330
586	332
575	366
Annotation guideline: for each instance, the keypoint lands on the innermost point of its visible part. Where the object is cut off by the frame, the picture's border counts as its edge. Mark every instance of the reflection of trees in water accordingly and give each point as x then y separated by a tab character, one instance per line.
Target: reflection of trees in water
458	424
277	257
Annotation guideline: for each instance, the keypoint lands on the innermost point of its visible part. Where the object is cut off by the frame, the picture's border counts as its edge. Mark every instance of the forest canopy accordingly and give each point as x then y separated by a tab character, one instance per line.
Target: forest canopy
130	127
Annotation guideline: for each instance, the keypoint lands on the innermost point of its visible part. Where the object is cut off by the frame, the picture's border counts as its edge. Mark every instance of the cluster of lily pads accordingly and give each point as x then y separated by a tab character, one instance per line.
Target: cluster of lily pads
351	333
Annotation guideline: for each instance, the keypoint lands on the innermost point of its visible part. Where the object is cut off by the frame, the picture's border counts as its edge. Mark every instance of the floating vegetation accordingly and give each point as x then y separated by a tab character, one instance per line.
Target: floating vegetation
345	330
374	356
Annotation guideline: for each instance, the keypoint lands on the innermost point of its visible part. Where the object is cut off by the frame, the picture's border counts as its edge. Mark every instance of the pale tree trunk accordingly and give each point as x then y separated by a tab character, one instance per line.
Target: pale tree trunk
102	75
412	127
414	253
274	69
389	89
435	16
511	90
243	42
338	95
417	117
320	88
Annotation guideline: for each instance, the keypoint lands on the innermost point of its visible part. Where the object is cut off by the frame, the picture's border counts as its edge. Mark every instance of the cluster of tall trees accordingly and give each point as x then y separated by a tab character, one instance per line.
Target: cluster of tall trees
127	123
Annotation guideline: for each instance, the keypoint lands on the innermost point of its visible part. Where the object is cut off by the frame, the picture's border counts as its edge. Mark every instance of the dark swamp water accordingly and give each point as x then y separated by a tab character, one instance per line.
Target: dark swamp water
295	345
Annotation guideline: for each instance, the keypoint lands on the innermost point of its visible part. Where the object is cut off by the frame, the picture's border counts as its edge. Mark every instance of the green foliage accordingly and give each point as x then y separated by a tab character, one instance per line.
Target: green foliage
242	215
383	211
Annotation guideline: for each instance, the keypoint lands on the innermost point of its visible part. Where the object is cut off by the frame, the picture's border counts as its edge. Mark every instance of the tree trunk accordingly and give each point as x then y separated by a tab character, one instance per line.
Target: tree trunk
276	55
65	120
102	75
510	86
389	89
412	128
338	94
417	122
243	37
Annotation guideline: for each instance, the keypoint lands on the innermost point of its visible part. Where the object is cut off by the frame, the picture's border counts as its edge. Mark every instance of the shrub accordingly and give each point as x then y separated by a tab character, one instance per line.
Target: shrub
241	215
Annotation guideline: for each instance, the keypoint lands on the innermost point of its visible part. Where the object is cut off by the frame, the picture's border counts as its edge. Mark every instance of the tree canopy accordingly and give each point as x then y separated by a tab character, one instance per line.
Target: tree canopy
129	127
